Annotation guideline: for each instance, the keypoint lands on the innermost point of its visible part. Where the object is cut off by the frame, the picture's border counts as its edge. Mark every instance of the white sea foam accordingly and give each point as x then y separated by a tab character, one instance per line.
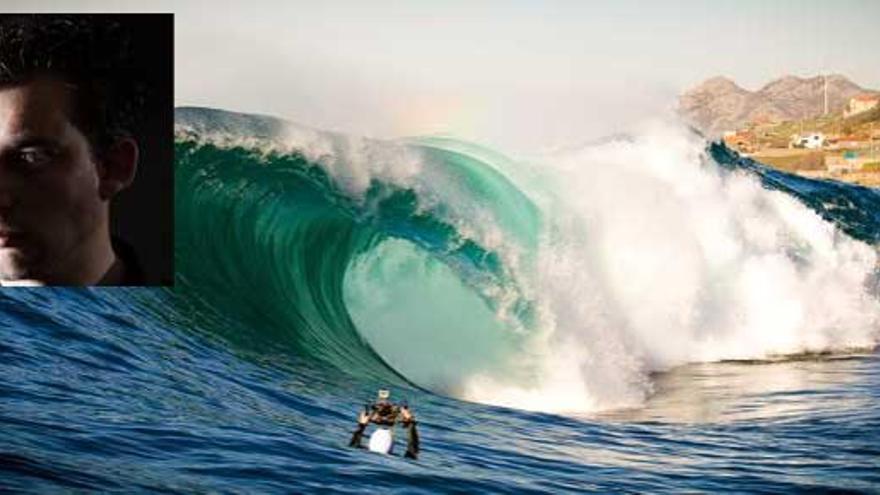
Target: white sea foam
656	259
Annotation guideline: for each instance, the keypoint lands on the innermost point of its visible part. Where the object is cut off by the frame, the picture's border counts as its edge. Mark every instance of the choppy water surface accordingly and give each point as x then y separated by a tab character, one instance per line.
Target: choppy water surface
102	401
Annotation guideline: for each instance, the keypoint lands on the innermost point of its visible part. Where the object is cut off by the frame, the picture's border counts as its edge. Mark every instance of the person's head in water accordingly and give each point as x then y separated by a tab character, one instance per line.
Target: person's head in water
68	96
383	395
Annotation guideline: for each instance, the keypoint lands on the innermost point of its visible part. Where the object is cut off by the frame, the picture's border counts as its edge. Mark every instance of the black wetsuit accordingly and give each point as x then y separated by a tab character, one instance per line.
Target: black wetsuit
384	413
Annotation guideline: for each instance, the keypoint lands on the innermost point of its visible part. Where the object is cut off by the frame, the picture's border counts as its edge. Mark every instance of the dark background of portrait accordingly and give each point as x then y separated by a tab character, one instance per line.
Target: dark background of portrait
143	214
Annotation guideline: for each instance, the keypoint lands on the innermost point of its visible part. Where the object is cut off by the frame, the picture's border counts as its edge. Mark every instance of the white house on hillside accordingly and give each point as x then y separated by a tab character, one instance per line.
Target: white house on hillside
861	103
813	141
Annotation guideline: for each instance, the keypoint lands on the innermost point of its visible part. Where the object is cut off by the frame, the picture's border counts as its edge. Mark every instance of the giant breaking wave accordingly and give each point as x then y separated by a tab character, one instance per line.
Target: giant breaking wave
557	284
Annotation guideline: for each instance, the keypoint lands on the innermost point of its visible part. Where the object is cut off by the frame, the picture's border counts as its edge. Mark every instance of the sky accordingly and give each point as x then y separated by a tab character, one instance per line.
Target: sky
517	75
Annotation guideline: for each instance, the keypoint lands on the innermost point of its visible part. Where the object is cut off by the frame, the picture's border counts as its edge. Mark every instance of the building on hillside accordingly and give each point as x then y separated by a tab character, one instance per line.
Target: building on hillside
742	141
861	103
847	162
811	140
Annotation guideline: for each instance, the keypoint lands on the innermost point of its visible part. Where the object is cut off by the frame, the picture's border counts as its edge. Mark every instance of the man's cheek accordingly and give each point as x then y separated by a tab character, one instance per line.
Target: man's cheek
73	187
83	210
59	210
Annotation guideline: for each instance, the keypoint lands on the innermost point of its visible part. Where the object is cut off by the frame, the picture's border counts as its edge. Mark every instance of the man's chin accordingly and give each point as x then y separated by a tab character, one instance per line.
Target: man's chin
15	266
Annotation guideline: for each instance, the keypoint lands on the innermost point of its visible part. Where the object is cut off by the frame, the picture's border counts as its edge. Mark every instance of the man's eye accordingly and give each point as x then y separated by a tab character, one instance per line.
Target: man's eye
34	157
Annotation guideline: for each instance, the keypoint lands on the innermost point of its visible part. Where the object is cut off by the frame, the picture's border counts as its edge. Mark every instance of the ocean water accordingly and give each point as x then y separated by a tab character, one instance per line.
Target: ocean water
649	314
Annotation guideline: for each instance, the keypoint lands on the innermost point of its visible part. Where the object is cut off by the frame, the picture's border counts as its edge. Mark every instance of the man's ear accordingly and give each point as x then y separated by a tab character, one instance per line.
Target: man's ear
117	167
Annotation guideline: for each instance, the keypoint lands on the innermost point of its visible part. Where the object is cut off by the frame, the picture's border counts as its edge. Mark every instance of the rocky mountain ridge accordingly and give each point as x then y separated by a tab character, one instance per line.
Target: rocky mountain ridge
719	104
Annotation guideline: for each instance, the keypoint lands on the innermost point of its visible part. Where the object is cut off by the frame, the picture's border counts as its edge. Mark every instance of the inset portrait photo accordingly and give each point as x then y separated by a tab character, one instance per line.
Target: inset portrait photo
86	149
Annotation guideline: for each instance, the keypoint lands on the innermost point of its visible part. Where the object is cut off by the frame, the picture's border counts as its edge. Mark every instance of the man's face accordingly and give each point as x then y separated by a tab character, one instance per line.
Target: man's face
49	200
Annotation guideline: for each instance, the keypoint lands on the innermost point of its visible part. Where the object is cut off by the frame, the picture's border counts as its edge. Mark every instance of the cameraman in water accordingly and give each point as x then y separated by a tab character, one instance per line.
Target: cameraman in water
383	412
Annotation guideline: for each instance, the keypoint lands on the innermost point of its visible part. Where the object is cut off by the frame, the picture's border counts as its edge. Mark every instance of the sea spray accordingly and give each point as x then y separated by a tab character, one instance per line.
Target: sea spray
654	257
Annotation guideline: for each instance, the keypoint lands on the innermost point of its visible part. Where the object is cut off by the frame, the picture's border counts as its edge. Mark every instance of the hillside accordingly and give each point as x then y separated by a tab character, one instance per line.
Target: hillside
719	104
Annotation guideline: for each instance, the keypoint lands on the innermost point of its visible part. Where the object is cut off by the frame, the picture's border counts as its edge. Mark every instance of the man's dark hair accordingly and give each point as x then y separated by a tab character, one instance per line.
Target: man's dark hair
93	54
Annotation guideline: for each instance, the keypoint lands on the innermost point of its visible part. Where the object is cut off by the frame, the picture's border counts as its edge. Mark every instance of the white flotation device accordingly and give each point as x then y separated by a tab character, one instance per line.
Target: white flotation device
381	441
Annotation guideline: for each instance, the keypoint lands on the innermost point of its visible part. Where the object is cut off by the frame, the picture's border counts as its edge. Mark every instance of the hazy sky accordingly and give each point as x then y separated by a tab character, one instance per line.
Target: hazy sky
516	74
